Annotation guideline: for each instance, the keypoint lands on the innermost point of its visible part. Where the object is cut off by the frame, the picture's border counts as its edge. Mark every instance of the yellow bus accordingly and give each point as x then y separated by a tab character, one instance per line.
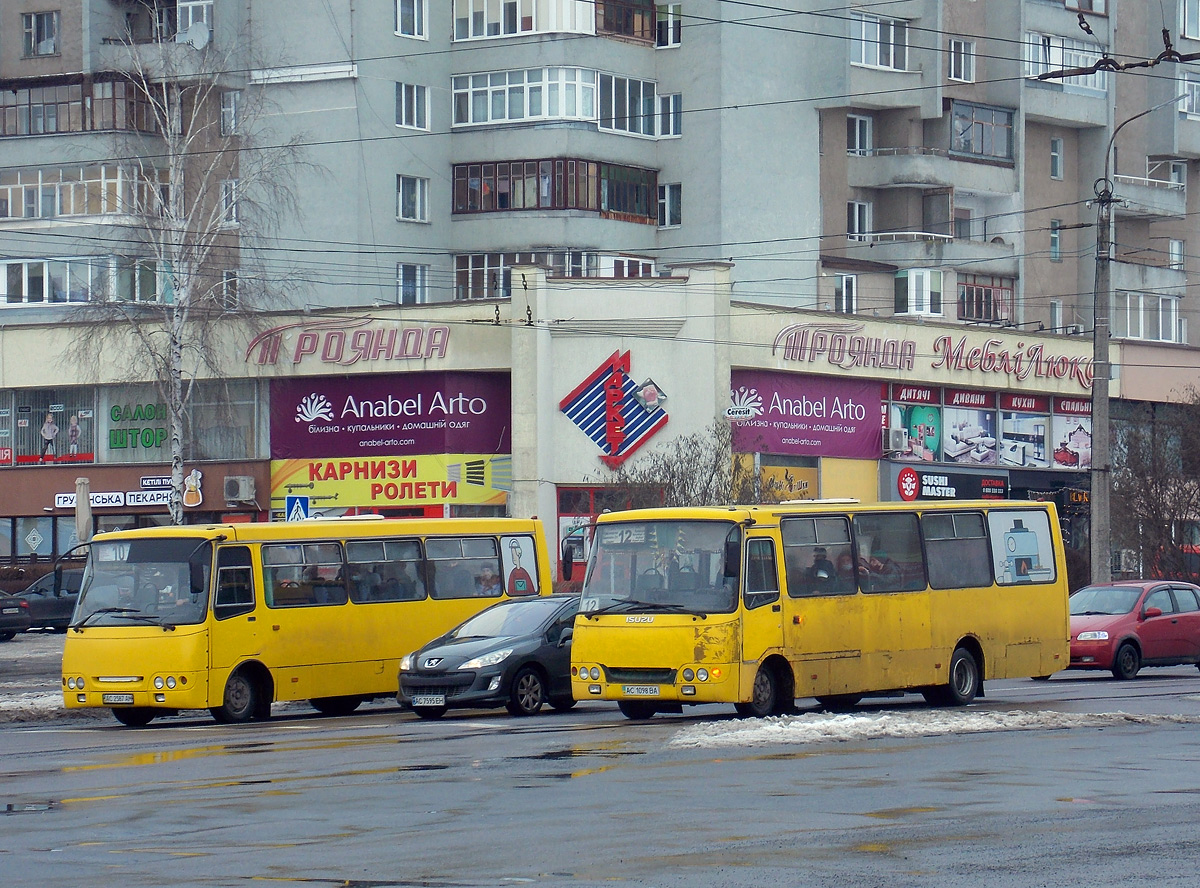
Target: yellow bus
231	618
759	606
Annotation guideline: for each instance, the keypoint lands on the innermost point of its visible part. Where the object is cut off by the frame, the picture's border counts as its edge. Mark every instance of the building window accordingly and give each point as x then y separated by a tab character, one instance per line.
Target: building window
410	18
669	25
1096	6
1056	316
412	109
489	275
1051	52
984	298
1145	316
474	19
1056	240
670	115
1056	158
670	212
919	291
230	212
627	105
962	60
230	101
74	107
412	199
878	42
859	134
535	93
55	280
91	190
412	284
962	223
229	290
41	33
615	191
626	18
845	293
1191	18
1175	250
1191	89
981	130
1179	172
858	220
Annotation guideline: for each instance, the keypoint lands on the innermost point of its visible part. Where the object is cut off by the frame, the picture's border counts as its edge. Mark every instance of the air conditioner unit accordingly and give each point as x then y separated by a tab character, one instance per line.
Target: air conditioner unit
239	489
1073	329
895	440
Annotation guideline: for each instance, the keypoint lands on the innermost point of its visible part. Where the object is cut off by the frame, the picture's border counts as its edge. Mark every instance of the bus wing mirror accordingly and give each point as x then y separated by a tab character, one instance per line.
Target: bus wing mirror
568	563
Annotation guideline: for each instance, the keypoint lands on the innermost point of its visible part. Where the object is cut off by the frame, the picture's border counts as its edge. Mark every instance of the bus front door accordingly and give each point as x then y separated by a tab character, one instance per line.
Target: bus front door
235	632
762	622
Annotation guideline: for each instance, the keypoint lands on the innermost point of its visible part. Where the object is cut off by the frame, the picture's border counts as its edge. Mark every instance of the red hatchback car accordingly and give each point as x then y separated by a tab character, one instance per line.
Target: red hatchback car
1125	625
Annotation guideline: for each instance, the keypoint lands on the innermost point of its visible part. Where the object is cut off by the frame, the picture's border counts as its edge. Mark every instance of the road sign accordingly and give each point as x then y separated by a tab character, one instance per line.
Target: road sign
296	508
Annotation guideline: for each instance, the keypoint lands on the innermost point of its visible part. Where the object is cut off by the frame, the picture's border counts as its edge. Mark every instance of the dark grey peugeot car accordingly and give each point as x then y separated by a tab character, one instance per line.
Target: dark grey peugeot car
517	653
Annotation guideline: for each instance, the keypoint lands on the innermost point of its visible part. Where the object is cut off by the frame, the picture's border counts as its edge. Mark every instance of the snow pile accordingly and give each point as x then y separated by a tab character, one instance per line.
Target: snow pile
816	727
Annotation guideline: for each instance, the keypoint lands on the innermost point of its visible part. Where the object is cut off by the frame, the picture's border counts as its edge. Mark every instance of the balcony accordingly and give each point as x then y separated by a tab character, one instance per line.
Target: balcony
917	249
1138	277
1149	198
921	167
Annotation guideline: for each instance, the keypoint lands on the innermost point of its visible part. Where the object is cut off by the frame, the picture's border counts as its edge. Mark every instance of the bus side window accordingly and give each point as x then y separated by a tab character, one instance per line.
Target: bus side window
235	583
956	547
762	575
889	552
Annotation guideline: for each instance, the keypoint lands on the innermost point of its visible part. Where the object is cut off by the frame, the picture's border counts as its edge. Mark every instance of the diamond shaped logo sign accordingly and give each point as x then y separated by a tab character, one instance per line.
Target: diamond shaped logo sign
607	408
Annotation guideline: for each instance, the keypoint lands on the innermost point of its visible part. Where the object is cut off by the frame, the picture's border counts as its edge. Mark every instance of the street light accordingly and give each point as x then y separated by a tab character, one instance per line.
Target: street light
1101	493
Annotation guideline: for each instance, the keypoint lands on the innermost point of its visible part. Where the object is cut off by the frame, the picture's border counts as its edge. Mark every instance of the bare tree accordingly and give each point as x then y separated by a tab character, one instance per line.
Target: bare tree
200	168
691	470
1156	487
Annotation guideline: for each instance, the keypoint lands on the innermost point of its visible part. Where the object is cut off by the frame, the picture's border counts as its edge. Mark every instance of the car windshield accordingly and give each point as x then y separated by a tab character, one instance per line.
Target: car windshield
1110	600
509	619
138	581
663	564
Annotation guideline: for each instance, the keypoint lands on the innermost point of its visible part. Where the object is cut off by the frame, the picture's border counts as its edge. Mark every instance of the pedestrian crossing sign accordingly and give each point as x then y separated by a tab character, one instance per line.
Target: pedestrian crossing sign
296	508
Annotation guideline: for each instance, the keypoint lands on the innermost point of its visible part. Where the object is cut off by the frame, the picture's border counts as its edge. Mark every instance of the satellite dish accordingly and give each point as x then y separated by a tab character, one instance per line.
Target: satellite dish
198	34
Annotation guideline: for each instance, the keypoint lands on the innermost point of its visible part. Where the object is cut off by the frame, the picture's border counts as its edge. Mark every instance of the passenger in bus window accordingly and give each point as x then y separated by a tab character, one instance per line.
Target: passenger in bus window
879	573
821	572
454	580
488	582
846	580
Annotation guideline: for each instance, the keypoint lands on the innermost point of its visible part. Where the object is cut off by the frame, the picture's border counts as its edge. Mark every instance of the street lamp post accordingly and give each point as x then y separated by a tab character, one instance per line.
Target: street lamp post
1101	492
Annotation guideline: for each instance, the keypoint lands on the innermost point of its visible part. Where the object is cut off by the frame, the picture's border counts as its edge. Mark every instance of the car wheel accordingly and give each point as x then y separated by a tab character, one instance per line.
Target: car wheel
763	696
963	684
528	692
240	700
1127	662
429	712
1041	678
134	717
335	705
562	704
7	636
636	709
839	702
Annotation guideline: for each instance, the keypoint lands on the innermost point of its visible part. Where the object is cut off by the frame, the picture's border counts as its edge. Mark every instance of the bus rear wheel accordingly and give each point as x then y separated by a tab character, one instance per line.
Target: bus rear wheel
962	686
636	709
240	702
134	717
335	705
763	697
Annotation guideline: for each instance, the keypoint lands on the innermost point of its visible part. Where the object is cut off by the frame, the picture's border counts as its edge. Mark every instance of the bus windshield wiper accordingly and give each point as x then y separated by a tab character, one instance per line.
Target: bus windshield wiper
627	605
130	613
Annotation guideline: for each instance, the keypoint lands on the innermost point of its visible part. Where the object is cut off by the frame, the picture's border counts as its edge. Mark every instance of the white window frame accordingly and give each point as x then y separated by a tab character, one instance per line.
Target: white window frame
859	220
923	298
499	97
670	205
621	94
668	31
1191	18
231	100
961	62
412	106
845	294
41	33
229	289
415	278
417	11
230	202
1053	52
860	134
1057	160
1176	251
412	199
490	19
670	116
1191	88
1056	240
877	42
1056	316
1178	172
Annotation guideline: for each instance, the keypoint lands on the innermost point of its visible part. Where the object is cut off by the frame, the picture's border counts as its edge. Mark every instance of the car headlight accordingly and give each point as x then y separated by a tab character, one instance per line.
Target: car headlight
406	663
1097	635
488	659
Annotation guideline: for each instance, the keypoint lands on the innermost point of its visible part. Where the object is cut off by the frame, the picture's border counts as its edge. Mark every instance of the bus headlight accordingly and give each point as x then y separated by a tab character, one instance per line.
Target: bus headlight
594	674
688	675
158	682
701	674
1098	635
171	682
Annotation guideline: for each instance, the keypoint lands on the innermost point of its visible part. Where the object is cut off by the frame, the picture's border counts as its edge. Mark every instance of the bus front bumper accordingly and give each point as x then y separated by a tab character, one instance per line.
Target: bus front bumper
695	683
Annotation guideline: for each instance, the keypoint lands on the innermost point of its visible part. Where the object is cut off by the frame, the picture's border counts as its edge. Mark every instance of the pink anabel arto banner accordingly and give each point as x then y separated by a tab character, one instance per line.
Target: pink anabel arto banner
388	414
805	415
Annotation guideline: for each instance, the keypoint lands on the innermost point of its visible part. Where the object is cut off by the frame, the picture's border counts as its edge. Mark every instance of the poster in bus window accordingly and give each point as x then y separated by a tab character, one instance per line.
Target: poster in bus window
1072	442
520	568
924	425
1021	547
969	436
1023	439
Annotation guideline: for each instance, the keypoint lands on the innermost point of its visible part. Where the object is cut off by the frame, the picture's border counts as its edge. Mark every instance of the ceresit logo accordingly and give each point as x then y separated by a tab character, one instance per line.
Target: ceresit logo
744	403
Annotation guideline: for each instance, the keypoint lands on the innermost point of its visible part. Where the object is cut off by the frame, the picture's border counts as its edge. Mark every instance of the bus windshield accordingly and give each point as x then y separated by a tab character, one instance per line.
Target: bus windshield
669	564
145	581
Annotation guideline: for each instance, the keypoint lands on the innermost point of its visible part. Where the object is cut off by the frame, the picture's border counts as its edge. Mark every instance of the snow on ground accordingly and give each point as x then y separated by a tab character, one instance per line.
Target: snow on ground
817	727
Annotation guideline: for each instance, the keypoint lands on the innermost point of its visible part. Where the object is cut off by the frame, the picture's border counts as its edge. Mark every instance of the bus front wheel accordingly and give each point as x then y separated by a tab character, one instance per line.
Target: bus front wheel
763	697
135	717
636	709
240	703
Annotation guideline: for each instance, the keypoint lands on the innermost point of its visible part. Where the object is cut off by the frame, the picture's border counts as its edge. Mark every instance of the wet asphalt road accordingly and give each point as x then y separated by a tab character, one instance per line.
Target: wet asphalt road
587	799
